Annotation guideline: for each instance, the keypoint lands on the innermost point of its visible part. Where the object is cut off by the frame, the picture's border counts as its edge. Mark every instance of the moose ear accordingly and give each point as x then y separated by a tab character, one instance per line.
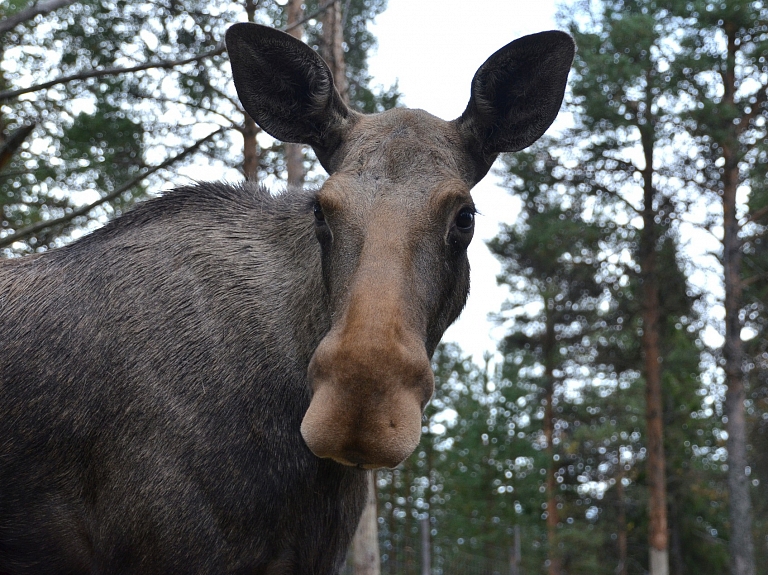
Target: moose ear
516	95
287	89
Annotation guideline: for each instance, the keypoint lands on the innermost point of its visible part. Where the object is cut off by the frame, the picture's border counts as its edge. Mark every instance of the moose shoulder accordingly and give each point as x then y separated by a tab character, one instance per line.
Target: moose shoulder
199	386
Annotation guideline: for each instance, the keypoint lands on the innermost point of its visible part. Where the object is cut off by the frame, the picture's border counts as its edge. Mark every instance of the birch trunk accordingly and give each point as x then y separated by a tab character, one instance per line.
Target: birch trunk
365	545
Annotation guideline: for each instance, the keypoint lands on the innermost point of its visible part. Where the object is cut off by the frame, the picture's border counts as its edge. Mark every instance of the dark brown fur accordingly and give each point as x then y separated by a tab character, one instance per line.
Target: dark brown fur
193	388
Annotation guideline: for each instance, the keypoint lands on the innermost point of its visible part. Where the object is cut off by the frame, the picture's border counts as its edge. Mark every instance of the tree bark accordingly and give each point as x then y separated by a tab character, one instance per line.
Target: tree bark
426	547
515	558
740	507
555	563
621	569
365	545
251	156
332	47
658	537
294	156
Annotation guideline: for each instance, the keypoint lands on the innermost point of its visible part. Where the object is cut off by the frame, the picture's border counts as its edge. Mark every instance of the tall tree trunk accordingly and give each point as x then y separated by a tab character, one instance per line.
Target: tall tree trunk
555	563
332	47
392	528
409	545
621	569
676	559
365	545
251	157
740	507
658	538
294	156
515	558
426	547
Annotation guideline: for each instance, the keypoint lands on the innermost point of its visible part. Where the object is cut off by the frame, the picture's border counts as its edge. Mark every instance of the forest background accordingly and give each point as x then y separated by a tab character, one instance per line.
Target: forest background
622	427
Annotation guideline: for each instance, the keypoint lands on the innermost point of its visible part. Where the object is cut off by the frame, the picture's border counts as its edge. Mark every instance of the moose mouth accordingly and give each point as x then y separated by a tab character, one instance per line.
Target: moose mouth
366	409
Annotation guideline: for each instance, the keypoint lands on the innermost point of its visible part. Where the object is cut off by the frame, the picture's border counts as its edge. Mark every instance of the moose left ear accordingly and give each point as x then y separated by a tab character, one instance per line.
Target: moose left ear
287	89
516	95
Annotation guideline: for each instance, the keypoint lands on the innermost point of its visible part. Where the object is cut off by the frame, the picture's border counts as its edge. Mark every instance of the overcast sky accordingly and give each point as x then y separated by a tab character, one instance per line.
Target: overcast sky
432	48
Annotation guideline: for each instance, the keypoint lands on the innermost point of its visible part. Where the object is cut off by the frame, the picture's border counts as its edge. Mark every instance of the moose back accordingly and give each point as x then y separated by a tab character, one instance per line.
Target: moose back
200	386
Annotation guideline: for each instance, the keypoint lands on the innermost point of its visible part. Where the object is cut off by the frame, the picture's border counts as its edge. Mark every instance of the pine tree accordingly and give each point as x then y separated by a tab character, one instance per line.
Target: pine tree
104	102
550	258
722	72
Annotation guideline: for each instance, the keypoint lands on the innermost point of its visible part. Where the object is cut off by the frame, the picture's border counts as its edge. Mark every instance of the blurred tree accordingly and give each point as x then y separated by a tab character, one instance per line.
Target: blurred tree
722	74
102	101
619	89
549	259
105	86
294	155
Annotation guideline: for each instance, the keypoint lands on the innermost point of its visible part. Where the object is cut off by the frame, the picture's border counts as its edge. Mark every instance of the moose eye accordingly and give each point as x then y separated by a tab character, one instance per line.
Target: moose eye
465	219
319	215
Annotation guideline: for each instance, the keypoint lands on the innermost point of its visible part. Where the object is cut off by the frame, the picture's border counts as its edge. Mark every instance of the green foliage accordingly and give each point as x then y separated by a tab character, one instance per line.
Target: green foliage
572	265
94	135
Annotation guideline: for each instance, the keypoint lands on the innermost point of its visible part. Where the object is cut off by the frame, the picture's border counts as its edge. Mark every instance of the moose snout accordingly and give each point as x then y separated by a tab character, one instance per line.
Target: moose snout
368	399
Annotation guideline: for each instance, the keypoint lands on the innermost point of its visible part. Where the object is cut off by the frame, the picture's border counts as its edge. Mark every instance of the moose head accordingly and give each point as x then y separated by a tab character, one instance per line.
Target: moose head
393	222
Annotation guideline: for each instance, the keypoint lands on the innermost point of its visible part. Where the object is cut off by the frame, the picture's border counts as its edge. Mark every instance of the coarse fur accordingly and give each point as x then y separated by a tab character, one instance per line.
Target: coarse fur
197	386
164	389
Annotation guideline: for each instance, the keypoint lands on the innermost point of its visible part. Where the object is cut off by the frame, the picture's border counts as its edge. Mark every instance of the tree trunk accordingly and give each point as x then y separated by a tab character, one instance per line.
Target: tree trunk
658	538
332	47
621	569
515	558
426	547
555	563
740	507
294	156
365	545
676	559
251	159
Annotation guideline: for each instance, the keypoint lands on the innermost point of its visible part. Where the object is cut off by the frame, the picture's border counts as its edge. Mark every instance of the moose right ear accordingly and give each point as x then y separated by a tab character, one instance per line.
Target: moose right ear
287	89
516	95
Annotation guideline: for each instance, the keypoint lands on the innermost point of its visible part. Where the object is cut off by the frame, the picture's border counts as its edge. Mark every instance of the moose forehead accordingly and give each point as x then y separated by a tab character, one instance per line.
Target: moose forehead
407	147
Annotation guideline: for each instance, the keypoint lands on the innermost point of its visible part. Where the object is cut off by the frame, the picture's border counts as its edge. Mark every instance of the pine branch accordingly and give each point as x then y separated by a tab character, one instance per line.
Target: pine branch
754	279
44	7
311	16
608	192
161	64
754	216
116	71
39	226
9	147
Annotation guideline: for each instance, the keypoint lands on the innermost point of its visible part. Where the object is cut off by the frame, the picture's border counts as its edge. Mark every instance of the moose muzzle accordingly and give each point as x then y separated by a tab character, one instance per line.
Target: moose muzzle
371	379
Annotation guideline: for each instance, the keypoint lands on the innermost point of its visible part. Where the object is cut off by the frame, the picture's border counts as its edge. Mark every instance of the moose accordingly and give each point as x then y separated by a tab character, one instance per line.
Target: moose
202	385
